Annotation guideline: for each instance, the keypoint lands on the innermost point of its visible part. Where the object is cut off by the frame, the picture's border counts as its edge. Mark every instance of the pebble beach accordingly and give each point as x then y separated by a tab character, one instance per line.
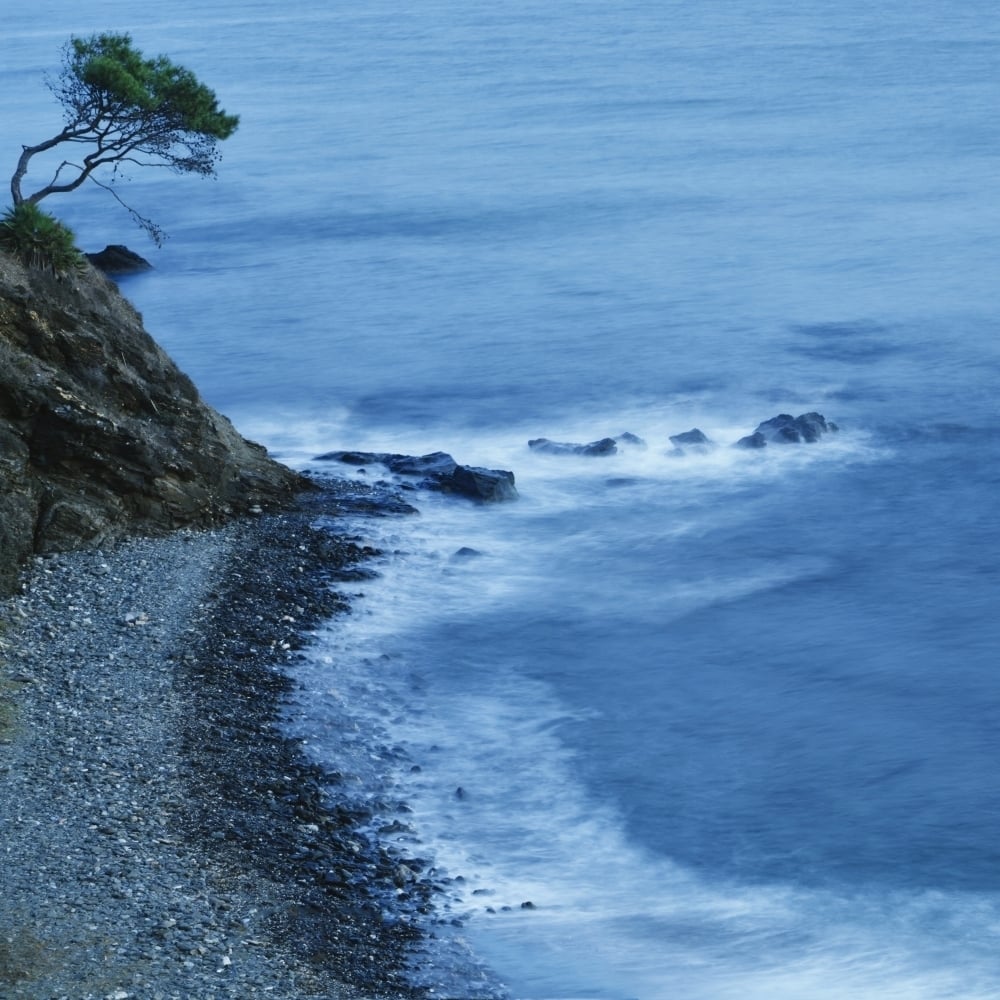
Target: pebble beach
159	837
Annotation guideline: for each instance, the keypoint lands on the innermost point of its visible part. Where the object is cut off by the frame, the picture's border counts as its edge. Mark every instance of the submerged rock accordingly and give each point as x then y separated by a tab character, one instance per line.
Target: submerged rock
786	429
440	471
633	440
755	440
812	426
485	485
694	441
438	463
606	446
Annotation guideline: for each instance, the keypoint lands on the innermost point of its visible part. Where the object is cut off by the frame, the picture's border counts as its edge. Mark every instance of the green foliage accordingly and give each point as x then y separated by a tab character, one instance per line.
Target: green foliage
38	240
107	73
127	110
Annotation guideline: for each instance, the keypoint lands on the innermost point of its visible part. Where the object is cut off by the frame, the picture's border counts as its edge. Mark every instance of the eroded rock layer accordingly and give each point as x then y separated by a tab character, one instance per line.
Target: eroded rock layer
101	434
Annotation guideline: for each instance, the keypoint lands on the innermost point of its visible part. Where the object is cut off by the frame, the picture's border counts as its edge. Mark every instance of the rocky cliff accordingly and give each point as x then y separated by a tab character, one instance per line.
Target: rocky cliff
100	434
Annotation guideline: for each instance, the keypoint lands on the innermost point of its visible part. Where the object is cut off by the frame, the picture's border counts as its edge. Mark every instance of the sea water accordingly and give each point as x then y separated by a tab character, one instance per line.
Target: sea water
727	721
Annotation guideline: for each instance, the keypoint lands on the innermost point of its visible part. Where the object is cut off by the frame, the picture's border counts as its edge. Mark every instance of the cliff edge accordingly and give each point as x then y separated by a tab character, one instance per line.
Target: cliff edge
101	435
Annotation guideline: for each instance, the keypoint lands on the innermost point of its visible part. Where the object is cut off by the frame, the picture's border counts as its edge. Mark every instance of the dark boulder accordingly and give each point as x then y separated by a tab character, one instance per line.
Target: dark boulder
438	463
358	458
485	485
118	259
100	434
606	446
692	441
812	426
786	429
632	440
439	472
781	429
752	441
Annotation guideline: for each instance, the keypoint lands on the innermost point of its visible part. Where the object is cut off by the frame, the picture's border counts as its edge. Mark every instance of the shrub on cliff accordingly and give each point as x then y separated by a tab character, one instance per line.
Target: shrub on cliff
39	240
127	109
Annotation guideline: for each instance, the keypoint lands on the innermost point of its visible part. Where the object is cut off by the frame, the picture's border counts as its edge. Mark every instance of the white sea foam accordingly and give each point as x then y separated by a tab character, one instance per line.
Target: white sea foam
609	919
564	481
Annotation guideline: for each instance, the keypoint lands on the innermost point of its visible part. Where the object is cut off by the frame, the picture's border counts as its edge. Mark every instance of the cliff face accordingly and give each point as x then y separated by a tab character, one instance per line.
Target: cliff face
101	434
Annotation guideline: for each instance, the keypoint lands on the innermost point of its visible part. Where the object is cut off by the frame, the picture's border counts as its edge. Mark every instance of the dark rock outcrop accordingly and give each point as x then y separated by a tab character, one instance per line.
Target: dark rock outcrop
606	446
782	429
438	463
486	485
752	441
439	471
632	440
786	429
694	441
118	259
100	434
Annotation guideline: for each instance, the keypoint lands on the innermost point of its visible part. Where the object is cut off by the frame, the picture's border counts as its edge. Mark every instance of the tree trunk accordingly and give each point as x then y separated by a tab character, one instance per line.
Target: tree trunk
15	181
27	152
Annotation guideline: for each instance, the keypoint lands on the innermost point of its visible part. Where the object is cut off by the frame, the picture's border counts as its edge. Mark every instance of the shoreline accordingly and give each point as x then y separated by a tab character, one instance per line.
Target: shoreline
161	837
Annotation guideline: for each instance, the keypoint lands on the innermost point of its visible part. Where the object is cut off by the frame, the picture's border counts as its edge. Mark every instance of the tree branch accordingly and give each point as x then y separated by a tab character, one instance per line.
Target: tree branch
156	234
130	109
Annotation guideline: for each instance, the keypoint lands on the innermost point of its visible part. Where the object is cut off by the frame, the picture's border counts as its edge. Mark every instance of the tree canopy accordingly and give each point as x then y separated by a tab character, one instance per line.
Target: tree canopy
124	108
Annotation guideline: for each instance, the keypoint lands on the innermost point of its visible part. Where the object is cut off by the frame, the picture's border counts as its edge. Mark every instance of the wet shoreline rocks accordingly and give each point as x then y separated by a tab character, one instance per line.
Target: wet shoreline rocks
437	471
694	440
162	836
807	428
602	448
606	446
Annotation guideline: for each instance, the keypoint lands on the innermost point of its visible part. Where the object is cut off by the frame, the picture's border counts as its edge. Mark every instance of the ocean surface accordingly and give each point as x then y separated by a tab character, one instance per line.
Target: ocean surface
731	721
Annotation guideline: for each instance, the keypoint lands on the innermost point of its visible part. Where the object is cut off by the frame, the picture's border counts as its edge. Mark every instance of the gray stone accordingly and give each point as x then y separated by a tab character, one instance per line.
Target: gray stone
606	446
633	440
692	441
440	473
118	259
786	429
752	441
485	485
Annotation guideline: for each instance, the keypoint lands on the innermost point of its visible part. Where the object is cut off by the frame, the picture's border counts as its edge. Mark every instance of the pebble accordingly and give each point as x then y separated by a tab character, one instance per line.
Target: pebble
152	816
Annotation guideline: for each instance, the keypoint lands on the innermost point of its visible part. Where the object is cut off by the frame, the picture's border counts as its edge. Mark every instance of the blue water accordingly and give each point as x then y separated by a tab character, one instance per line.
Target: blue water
729	721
